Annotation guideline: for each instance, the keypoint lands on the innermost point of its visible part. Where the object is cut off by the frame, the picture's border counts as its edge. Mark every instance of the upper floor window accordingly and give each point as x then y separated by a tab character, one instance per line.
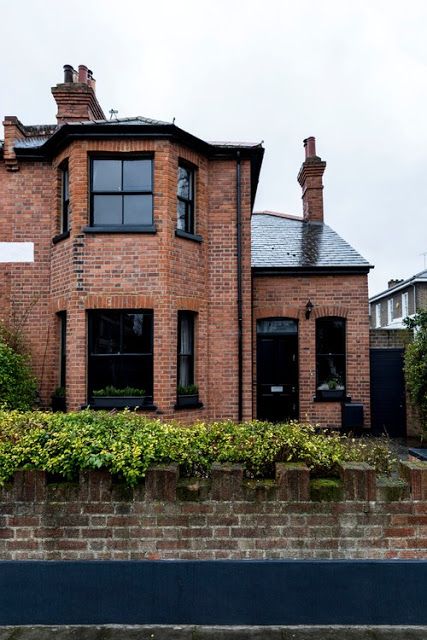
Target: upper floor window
377	315
122	192
65	198
390	310
330	357
405	305
185	199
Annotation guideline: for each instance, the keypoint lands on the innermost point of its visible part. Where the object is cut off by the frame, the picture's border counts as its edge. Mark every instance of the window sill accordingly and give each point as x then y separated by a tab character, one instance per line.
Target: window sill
143	228
194	405
330	396
61	236
180	233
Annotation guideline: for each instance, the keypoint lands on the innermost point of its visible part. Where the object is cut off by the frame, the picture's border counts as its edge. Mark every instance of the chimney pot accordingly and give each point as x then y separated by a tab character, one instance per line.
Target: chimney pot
83	74
310	147
68	73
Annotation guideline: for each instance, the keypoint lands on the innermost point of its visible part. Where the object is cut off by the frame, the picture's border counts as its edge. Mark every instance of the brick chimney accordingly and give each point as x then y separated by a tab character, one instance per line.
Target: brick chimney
310	178
393	283
76	97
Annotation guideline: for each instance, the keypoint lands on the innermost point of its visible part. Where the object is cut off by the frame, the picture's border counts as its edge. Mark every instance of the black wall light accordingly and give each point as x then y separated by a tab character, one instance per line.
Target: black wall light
308	309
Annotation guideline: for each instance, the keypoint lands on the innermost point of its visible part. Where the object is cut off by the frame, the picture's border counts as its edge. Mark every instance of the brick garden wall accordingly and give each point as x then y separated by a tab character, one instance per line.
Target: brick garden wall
223	517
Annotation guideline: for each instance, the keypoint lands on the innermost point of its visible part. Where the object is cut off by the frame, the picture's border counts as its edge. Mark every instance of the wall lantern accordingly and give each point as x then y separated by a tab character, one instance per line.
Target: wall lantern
308	309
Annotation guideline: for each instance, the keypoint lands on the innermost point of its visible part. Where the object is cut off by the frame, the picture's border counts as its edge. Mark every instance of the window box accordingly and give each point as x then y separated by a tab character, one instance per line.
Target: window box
119	402
188	401
330	395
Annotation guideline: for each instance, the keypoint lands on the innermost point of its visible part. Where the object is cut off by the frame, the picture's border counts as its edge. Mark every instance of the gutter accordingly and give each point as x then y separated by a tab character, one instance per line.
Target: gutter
239	288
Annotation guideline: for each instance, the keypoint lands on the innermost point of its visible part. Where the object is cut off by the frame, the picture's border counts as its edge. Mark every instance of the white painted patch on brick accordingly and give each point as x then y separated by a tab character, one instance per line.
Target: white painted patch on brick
16	251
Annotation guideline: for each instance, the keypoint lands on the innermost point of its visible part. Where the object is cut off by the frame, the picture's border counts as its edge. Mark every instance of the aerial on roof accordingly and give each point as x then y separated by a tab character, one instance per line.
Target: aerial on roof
292	244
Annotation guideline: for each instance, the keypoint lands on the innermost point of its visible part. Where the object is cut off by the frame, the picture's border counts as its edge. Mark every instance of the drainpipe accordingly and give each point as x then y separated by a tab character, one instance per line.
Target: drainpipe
239	288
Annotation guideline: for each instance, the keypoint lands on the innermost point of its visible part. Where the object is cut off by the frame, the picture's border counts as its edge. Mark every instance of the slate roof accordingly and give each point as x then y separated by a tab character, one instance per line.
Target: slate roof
421	276
42	133
289	243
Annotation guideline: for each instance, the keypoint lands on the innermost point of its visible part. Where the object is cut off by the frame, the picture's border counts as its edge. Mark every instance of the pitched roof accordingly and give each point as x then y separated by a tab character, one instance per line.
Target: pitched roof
289	243
421	276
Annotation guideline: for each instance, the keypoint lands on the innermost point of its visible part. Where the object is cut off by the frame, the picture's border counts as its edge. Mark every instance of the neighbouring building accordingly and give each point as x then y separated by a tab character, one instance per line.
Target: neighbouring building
401	299
391	410
140	276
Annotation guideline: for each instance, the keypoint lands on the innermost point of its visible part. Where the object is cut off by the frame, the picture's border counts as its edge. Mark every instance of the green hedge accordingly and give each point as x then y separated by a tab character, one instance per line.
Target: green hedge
127	443
17	384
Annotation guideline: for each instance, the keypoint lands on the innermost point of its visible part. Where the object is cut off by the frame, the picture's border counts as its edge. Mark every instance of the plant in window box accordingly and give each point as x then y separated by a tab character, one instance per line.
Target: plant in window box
188	395
59	402
119	398
332	388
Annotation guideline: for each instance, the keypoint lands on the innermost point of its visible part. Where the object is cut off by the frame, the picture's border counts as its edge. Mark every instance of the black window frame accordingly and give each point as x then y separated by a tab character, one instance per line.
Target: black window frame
121	352
190	203
121	157
188	356
338	392
65	198
62	317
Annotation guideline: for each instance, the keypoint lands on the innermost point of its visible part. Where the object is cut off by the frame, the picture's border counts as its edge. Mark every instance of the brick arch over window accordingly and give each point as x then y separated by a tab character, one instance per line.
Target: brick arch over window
119	302
278	311
330	310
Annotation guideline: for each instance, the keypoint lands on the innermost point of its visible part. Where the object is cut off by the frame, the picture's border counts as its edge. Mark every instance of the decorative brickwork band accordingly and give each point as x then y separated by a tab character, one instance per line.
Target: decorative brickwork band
293	482
415	474
227	481
359	481
160	483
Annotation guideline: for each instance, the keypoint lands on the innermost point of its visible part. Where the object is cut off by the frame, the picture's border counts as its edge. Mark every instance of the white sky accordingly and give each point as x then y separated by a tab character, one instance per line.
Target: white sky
353	74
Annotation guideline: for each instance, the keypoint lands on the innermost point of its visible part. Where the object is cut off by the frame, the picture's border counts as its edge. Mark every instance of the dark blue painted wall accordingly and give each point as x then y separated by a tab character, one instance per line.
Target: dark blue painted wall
222	592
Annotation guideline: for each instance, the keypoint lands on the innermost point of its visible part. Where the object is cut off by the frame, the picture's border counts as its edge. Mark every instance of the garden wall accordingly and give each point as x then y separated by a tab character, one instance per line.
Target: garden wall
225	517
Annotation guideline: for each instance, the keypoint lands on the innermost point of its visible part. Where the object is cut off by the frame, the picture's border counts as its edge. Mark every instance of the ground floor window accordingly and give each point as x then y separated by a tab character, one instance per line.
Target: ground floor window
120	358
185	349
330	358
62	317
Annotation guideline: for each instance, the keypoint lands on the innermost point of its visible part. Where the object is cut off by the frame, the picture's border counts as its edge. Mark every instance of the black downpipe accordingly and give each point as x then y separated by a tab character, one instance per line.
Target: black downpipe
239	287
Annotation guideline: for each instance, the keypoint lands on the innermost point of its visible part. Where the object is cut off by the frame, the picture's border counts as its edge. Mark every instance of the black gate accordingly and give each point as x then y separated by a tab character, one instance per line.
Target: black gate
388	409
277	369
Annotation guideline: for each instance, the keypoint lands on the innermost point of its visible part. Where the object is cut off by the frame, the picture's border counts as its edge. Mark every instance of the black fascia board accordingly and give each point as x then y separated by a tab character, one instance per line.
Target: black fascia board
95	131
312	271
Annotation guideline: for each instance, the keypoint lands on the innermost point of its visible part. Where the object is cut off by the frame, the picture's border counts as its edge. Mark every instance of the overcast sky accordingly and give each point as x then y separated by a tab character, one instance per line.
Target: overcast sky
353	74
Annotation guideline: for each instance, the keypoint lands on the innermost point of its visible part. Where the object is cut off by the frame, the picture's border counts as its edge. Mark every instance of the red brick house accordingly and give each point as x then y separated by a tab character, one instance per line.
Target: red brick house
126	250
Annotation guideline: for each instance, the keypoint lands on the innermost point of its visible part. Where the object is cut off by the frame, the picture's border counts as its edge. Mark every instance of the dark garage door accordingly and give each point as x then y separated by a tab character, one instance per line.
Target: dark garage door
388	392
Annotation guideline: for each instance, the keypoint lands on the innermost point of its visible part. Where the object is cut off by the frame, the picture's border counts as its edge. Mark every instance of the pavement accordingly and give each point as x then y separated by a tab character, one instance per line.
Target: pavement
158	632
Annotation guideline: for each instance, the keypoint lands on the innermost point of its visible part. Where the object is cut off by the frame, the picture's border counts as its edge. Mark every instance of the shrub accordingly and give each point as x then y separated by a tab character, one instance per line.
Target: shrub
127	443
416	365
187	390
17	383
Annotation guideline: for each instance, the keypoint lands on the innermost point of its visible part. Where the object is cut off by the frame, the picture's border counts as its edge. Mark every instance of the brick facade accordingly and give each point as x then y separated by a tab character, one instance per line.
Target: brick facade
332	295
82	270
224	517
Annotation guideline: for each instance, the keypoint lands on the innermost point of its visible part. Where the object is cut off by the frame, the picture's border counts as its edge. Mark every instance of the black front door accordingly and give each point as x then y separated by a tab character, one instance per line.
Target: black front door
388	409
277	369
